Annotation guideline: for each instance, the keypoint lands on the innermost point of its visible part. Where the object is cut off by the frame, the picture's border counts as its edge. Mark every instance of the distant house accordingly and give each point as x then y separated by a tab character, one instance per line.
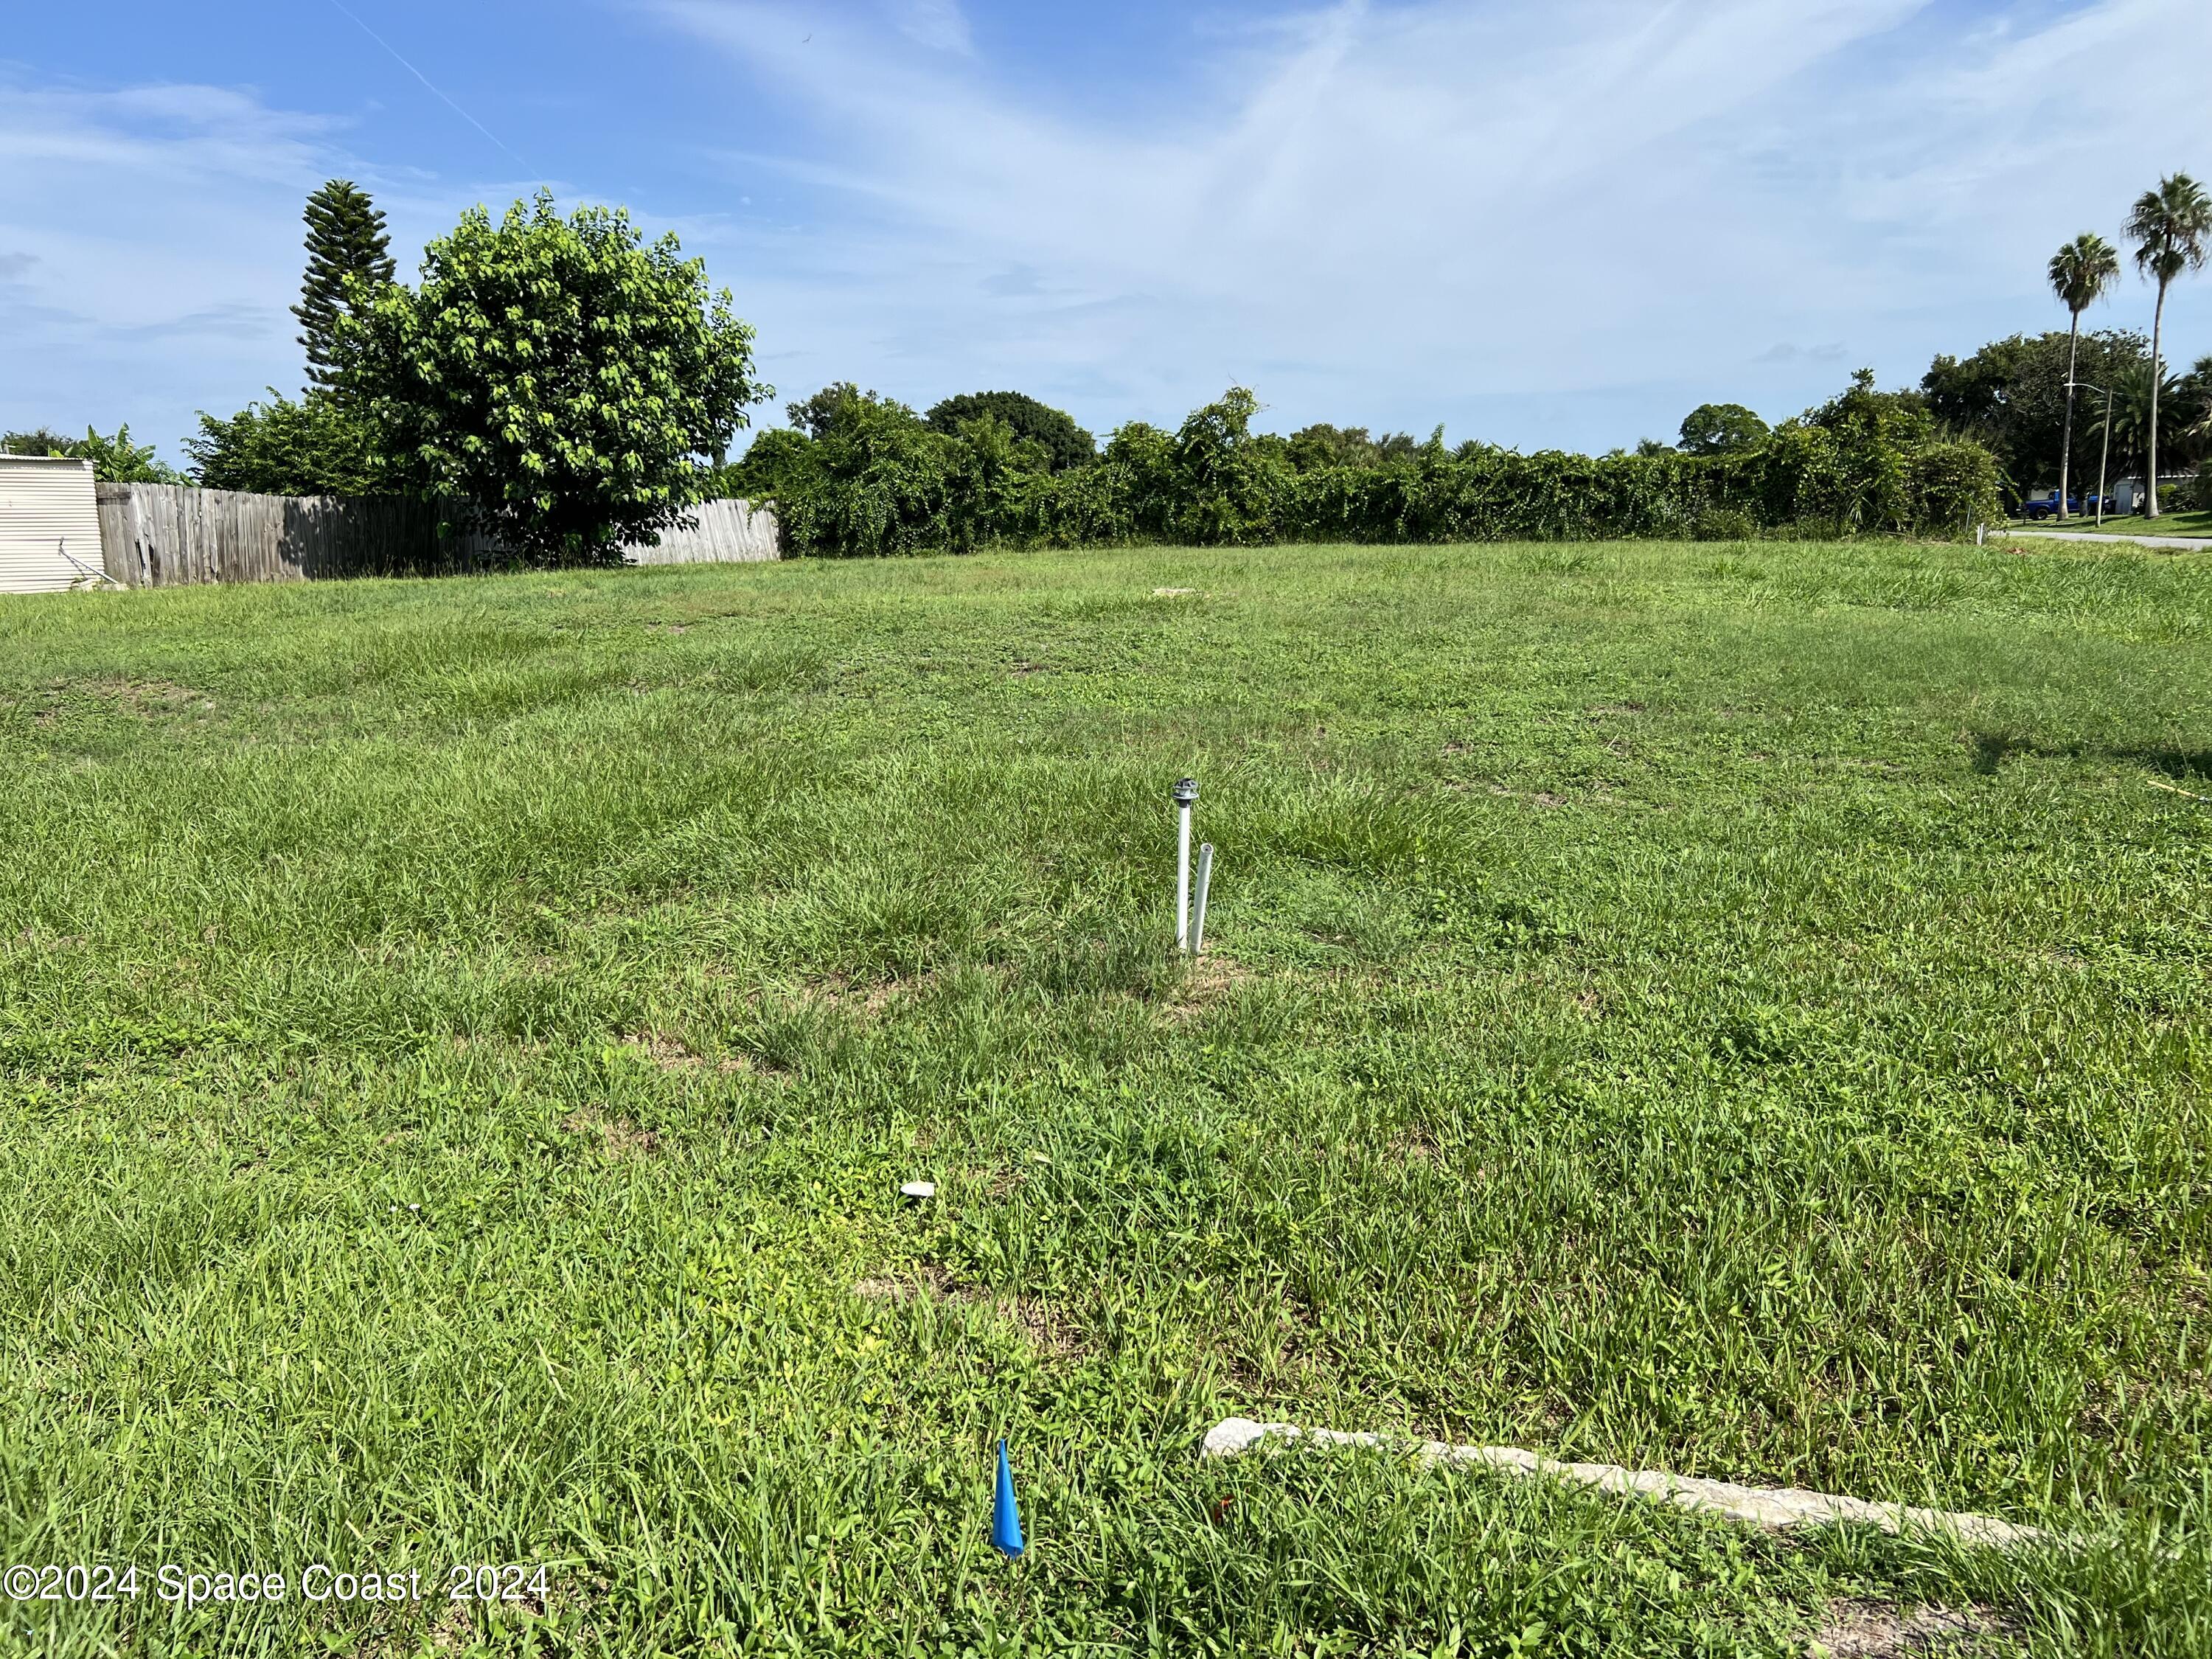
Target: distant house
49	524
2128	494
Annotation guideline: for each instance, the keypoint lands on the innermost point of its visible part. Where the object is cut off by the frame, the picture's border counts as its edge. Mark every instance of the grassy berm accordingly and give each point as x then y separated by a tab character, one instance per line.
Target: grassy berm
1740	1010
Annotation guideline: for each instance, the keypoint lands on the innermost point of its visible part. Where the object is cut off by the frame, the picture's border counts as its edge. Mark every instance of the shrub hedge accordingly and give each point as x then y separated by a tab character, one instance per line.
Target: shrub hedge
880	481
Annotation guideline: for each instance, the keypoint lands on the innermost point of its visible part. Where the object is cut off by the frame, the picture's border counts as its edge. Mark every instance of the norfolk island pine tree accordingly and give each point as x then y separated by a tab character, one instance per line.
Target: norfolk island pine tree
346	239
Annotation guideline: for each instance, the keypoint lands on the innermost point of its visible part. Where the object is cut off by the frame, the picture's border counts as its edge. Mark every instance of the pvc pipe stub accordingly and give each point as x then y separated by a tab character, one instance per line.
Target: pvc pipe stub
1186	791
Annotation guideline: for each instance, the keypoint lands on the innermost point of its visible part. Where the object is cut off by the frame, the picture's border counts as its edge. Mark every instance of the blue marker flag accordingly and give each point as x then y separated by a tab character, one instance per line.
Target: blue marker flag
1006	1513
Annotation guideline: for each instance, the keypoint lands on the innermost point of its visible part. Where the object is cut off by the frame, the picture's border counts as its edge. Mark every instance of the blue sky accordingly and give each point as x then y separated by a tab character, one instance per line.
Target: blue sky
1538	221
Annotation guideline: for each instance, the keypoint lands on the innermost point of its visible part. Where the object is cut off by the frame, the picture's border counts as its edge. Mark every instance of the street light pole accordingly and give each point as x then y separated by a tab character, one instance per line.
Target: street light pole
2104	461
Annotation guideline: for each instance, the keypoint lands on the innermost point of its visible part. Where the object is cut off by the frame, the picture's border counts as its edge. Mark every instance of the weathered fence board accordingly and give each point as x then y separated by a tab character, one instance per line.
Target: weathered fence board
728	533
171	535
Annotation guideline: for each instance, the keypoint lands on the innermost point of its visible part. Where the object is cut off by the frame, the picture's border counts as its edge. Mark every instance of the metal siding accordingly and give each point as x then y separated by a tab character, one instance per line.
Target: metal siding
46	504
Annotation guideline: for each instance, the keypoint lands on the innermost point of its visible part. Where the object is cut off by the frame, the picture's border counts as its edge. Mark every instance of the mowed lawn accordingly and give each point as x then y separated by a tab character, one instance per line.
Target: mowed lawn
1734	1009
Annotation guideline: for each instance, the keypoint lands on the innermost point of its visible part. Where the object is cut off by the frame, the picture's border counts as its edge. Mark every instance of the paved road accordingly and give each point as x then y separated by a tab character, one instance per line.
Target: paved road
2190	544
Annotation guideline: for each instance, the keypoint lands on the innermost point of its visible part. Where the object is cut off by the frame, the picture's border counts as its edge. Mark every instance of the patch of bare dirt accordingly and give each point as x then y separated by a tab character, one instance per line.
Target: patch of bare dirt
1858	1629
1046	1326
869	998
660	1049
1206	981
1600	711
1412	1145
1049	1331
925	1285
618	1138
154	697
144	698
51	941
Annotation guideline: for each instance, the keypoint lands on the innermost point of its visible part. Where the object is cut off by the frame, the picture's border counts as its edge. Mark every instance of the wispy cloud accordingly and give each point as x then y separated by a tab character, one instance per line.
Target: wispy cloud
153	240
1538	221
937	24
1589	206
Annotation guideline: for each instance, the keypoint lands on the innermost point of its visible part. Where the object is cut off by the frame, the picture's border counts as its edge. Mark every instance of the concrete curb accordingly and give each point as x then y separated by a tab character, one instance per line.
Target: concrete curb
2185	543
1776	1508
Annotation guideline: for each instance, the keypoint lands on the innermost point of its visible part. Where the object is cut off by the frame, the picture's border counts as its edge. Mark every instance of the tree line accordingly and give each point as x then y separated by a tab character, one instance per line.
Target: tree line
857	475
566	386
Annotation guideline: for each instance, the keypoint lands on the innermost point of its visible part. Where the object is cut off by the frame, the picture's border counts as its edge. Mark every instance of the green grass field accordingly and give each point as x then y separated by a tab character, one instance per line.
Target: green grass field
1739	1009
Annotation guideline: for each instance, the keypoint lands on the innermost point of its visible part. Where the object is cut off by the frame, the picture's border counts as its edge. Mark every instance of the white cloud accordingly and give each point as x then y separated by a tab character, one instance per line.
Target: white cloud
1525	218
1539	221
937	24
153	248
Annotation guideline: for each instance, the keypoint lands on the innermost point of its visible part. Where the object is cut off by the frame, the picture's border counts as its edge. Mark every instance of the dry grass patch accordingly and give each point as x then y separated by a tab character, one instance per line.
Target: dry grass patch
1206	981
1876	1630
1046	1326
619	1138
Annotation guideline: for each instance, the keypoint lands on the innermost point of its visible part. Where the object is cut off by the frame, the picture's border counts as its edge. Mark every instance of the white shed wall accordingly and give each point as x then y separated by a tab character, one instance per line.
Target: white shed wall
46	505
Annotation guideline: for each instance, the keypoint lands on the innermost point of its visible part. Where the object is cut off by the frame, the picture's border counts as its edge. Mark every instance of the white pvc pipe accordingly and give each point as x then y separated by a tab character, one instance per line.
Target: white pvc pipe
1205	881
1186	797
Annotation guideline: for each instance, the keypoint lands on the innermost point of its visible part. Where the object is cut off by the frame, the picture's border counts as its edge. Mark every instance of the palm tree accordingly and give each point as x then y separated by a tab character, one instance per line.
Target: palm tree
2081	271
2170	227
2141	403
2200	377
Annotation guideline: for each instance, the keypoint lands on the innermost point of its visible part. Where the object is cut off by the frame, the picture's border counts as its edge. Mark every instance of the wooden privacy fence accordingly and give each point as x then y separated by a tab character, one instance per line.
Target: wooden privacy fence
172	535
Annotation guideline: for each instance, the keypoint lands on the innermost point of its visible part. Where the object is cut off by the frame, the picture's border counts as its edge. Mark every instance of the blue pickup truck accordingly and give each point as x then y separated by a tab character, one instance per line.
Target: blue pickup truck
2046	505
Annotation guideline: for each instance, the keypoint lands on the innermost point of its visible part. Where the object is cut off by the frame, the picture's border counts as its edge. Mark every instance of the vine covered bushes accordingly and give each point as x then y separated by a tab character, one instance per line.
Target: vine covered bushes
876	479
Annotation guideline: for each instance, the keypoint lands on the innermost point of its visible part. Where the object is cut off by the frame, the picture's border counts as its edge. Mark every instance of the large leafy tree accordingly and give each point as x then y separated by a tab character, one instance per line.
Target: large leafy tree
2011	396
1067	443
556	382
2080	274
1721	429
2171	228
346	244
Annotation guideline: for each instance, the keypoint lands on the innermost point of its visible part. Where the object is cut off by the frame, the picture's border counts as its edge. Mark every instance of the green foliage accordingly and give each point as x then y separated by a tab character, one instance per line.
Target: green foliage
346	245
1862	414
1320	446
814	416
114	461
315	446
2082	271
2137	401
2172	229
877	480
2011	396
1067	444
555	382
1721	429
